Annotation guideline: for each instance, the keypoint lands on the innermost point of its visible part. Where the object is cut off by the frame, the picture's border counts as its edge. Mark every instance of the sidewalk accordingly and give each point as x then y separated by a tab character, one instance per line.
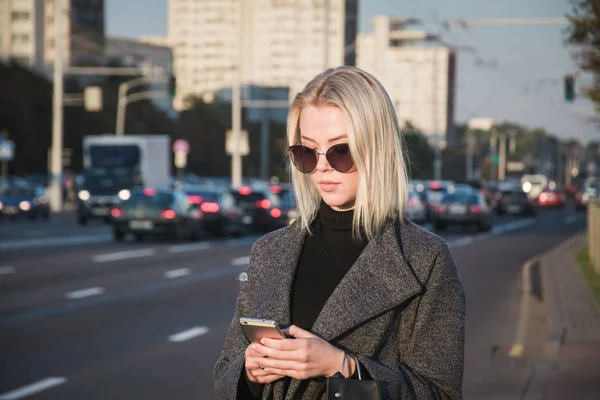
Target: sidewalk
572	368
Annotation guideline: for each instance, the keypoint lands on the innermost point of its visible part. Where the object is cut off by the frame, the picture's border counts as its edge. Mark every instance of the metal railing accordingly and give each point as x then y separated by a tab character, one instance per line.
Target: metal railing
593	233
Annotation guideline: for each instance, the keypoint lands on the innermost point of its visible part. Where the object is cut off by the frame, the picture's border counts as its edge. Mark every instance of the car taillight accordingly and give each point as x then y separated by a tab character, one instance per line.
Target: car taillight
209	207
475	209
276	213
245	190
117	212
264	203
440	208
412	202
195	199
167	214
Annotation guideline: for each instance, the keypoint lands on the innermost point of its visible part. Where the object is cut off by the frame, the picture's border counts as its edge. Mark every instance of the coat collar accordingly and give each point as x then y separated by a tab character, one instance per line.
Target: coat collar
379	280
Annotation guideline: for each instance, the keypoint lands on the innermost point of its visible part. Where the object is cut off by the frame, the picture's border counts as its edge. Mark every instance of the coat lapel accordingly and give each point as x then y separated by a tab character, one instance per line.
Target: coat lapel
379	280
273	273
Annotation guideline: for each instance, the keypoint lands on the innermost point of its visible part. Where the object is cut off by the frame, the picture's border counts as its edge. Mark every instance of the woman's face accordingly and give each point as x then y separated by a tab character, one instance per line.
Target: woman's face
321	128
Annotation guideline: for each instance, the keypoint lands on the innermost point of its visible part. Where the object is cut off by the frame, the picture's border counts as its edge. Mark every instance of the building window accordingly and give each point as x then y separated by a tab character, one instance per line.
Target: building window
19	15
20	38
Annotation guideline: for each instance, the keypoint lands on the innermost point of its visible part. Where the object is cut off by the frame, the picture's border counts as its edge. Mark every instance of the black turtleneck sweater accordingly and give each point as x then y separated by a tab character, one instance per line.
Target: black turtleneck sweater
326	257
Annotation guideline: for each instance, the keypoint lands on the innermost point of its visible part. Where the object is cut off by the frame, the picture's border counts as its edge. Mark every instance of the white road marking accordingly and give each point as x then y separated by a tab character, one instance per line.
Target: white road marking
176	273
79	294
182	248
571	219
189	334
123	255
241	261
7	270
33	388
55	241
518	347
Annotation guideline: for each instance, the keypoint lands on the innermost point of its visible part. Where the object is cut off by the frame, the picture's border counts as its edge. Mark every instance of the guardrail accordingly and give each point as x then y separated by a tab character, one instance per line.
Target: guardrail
593	233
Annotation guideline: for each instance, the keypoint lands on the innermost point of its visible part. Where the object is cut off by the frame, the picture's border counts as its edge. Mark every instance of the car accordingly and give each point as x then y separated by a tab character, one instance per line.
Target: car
591	191
415	209
551	198
222	216
514	201
433	194
17	201
260	207
462	208
156	212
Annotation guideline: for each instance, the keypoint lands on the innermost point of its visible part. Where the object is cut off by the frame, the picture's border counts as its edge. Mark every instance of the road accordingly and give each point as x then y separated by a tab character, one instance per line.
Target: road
83	317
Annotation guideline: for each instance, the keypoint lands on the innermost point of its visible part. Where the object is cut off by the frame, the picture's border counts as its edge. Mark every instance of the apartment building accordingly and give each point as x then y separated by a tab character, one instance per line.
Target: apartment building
283	42
420	76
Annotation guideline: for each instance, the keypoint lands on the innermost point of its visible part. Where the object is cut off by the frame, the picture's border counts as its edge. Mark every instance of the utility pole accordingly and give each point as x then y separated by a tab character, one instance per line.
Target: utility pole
502	158
56	167
493	141
236	103
438	139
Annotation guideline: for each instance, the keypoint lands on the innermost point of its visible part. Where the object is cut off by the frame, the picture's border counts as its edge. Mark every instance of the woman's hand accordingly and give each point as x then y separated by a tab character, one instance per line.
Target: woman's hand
254	367
305	356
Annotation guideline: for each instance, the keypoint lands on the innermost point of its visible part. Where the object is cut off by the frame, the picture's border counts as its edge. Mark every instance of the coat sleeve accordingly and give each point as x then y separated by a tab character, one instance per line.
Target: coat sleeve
229	374
433	362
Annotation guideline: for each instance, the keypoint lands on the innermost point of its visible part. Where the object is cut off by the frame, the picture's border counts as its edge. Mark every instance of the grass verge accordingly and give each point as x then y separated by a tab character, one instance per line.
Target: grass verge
590	274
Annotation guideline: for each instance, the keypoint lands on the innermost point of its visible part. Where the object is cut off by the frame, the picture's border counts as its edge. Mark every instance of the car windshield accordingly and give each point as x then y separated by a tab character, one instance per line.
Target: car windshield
462	198
150	198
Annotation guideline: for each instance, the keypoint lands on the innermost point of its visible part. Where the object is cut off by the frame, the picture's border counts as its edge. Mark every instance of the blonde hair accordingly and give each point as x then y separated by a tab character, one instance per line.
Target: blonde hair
375	141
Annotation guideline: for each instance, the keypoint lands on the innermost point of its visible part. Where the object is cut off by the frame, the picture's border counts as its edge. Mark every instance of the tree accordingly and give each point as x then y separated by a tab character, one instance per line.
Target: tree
420	155
584	34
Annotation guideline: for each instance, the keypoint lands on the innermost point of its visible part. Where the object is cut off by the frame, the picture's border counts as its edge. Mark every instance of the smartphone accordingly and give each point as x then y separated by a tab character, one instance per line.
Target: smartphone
256	329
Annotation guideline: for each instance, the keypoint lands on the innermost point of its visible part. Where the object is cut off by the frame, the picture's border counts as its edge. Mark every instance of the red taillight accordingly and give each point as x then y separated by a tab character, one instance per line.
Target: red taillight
434	185
475	209
149	192
440	209
117	212
276	213
210	207
195	199
412	202
245	190
167	214
264	203
276	189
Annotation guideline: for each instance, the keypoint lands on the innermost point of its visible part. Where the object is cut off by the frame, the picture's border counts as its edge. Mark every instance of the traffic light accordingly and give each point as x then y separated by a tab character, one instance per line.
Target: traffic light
172	86
569	88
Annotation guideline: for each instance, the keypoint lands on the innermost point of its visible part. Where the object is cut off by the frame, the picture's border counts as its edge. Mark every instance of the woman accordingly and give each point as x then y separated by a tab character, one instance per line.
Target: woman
350	275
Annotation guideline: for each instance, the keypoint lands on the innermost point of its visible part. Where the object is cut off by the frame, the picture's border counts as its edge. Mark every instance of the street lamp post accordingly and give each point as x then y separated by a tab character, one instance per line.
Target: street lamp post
122	101
56	167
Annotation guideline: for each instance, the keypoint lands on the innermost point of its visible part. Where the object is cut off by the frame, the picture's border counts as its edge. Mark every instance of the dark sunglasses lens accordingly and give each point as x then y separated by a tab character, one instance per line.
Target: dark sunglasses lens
339	158
304	159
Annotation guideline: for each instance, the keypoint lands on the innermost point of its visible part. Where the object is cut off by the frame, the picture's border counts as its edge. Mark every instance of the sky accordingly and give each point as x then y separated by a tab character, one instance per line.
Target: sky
518	77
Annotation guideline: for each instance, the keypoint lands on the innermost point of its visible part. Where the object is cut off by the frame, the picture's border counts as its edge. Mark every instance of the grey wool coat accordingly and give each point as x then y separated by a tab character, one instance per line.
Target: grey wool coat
400	308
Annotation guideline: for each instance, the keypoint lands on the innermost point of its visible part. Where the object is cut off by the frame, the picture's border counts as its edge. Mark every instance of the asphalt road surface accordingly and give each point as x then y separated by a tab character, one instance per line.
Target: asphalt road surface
82	317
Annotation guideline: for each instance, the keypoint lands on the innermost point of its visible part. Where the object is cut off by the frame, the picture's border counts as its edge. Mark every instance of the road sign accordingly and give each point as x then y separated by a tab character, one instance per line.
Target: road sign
243	146
181	145
7	150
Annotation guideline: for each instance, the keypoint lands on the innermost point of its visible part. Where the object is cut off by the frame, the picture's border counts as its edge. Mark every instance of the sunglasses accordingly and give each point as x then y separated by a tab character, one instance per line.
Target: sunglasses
305	159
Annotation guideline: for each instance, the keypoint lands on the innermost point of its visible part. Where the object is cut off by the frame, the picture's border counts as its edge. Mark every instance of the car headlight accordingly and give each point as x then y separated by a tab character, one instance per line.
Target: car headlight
84	195
527	187
25	206
124	194
586	197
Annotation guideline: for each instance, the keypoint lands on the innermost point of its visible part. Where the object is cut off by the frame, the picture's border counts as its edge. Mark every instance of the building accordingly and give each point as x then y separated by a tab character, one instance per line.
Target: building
283	42
27	31
152	55
419	77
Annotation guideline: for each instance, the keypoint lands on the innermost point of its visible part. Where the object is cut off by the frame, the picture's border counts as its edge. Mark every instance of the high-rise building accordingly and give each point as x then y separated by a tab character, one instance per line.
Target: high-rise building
419	77
283	45
27	31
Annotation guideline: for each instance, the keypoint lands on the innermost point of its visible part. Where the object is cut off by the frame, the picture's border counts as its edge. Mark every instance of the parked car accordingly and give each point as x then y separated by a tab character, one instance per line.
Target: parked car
433	194
18	201
514	201
161	212
462	209
222	216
